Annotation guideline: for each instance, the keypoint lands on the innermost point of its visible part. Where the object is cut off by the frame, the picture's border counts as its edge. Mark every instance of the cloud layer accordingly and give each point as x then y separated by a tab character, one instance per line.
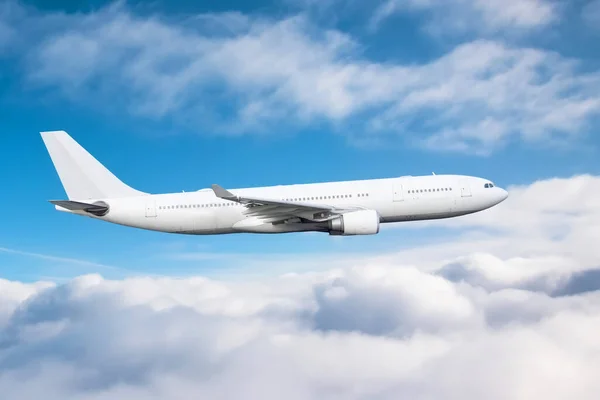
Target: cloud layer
516	319
369	332
235	73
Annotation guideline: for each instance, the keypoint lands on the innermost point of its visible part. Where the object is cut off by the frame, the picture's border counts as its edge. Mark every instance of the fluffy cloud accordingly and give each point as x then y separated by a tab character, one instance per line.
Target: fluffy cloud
369	332
559	214
261	73
479	325
485	16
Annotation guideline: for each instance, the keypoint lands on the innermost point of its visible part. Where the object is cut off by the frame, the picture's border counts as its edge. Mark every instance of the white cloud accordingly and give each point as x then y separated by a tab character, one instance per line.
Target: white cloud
482	323
381	331
483	16
233	73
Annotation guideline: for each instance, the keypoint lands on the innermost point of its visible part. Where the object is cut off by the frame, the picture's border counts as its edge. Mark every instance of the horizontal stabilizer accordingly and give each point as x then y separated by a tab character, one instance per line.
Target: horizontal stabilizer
98	209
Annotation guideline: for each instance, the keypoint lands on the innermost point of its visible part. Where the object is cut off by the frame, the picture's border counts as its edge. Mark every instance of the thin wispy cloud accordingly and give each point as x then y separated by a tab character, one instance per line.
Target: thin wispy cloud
81	263
591	14
290	74
6	30
473	16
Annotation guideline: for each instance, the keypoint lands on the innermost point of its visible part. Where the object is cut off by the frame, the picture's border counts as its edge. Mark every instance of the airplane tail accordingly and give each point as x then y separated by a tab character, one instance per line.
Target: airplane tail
82	176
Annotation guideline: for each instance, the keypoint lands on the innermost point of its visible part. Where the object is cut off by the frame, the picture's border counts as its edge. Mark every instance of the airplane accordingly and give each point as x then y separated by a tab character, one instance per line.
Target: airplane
347	208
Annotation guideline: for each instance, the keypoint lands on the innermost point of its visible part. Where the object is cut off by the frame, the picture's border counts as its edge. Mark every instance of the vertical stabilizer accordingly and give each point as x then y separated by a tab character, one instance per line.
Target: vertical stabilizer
82	176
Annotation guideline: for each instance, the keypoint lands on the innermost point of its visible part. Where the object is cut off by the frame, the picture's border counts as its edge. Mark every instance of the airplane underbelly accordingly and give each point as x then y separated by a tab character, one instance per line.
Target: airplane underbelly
204	222
190	223
422	208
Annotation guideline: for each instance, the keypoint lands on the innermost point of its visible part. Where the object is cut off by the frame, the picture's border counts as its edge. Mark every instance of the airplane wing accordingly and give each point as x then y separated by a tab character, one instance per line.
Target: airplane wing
271	210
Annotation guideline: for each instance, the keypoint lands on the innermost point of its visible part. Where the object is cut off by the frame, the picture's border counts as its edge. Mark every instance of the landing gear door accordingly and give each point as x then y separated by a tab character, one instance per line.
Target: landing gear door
150	209
397	192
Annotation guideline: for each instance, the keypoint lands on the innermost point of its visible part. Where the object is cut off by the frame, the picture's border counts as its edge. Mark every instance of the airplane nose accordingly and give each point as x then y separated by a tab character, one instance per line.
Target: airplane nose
503	194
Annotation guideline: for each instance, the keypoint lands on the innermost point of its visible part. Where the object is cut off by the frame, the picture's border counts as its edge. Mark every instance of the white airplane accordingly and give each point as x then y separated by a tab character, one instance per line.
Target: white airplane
338	208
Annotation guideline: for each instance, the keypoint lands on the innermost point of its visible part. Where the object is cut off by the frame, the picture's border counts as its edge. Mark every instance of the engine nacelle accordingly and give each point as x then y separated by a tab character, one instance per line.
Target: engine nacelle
363	222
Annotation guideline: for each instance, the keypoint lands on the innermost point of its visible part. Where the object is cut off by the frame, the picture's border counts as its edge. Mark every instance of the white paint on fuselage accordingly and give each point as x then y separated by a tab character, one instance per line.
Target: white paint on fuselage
394	199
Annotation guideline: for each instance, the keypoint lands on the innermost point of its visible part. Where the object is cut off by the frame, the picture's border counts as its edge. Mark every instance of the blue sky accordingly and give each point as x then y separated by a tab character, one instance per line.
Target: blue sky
179	95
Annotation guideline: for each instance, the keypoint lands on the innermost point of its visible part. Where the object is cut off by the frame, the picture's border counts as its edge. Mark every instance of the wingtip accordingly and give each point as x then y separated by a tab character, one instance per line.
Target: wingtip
220	192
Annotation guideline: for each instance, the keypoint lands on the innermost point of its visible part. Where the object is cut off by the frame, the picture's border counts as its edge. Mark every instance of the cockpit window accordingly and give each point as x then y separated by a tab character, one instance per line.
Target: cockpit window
489	185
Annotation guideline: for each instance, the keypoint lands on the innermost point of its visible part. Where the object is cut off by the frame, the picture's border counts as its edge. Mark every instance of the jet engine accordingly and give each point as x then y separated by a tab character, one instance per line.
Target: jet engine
363	222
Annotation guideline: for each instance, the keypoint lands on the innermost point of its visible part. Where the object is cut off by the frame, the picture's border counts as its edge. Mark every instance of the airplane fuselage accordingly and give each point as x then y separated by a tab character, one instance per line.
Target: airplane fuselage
393	199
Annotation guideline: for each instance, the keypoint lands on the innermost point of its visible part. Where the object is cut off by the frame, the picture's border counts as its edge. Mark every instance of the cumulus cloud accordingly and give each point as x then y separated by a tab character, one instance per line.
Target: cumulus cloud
233	73
483	16
370	332
478	325
557	213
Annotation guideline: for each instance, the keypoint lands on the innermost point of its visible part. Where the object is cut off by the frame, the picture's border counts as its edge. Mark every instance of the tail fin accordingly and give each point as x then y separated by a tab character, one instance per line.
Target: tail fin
82	176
